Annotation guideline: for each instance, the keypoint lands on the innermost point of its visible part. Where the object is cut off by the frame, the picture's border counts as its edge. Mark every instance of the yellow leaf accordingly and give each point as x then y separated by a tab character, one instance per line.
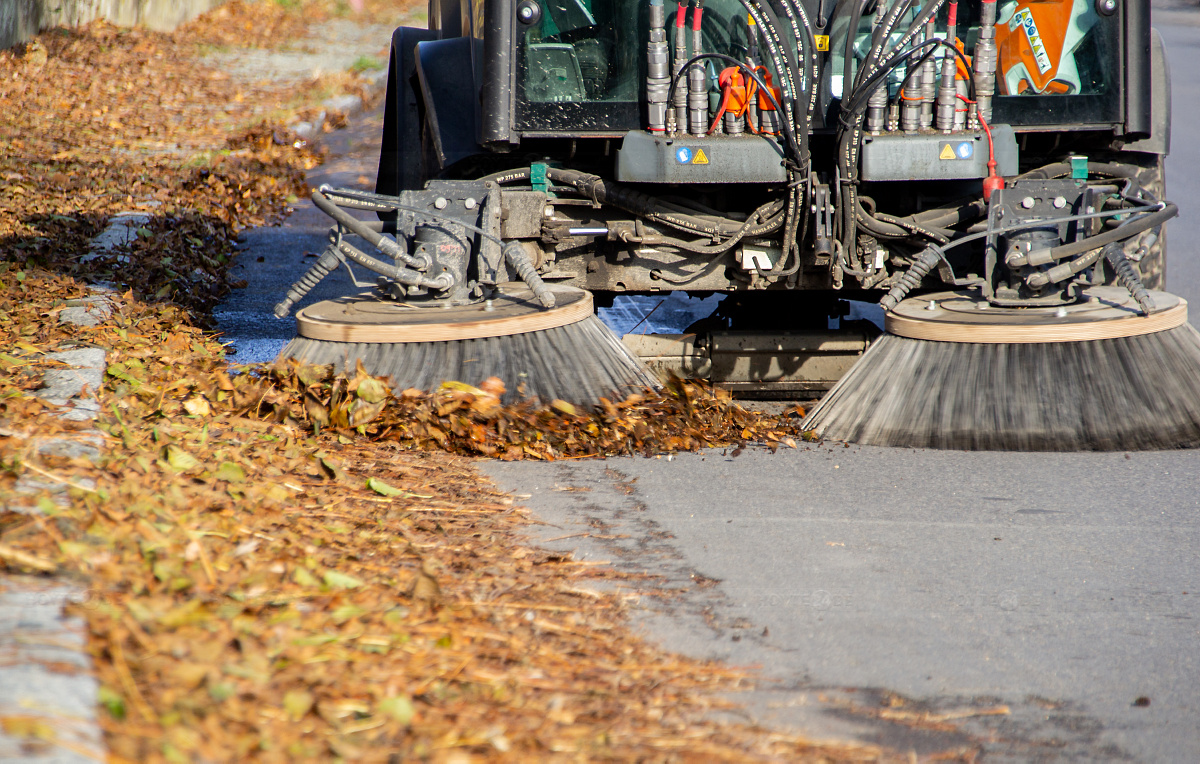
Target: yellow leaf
336	580
399	708
297	703
190	675
564	407
197	405
191	611
459	387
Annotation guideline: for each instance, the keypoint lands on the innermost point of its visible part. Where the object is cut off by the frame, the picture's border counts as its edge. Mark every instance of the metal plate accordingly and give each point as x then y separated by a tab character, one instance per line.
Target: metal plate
937	156
646	158
1109	312
369	318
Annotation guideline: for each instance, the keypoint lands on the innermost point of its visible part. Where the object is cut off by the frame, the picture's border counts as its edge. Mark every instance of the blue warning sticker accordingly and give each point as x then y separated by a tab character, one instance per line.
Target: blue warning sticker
965	150
683	155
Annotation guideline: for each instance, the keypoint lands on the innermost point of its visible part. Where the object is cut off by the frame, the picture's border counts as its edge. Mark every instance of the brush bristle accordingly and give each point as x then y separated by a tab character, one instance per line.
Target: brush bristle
1131	393
578	363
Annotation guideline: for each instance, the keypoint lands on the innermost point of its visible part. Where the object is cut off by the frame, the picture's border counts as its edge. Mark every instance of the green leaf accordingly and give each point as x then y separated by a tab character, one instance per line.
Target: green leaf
345	613
399	708
372	390
383	489
230	472
336	580
304	577
221	691
179	459
297	703
112	702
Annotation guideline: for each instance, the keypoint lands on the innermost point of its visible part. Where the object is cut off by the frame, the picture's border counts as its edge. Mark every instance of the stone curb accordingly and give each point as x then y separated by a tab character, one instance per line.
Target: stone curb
48	690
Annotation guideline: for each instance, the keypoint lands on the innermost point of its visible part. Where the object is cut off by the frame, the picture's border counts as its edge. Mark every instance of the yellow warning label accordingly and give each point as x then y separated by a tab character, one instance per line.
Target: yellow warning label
701	157
822	42
947	153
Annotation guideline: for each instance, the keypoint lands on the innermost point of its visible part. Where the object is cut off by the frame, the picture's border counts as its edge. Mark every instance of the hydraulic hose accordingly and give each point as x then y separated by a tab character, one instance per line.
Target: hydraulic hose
925	262
374	238
1128	276
395	272
325	264
518	258
1126	230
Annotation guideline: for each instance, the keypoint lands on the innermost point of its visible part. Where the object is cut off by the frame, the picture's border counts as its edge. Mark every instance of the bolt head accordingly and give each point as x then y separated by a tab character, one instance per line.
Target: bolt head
470	203
440	202
1028	202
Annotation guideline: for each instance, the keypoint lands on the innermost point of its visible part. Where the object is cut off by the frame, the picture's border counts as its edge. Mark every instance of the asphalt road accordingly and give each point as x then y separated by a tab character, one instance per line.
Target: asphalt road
1037	607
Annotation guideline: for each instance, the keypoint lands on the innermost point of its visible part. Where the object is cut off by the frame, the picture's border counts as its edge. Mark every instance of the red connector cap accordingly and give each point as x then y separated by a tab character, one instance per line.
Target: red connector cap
992	182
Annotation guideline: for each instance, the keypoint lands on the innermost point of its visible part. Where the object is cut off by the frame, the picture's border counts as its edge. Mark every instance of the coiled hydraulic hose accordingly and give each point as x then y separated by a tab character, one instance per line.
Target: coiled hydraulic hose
920	268
327	263
518	258
1128	276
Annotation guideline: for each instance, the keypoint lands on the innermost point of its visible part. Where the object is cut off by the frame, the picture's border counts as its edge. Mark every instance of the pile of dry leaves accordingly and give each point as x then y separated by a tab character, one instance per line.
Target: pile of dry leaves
471	421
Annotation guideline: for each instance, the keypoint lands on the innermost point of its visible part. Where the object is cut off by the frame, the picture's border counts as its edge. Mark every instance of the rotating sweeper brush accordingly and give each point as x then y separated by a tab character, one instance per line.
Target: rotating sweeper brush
446	310
954	371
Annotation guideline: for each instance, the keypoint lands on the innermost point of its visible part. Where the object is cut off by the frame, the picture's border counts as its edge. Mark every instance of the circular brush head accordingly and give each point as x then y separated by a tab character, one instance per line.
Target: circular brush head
562	353
955	372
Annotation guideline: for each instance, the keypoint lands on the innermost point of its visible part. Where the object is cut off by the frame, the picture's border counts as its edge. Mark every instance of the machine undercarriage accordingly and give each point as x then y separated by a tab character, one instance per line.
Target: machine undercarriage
789	153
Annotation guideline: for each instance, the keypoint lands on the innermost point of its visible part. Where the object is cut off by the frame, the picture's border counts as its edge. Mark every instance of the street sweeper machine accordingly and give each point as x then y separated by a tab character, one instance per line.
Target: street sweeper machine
989	171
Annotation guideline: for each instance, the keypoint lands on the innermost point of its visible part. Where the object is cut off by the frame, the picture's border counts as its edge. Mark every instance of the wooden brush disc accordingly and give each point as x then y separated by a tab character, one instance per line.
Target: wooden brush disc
369	318
1107	313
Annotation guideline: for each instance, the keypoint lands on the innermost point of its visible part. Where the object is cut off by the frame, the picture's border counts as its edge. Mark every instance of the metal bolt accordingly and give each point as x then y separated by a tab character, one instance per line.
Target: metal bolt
1061	312
470	203
440	202
1059	202
932	305
488	307
1028	202
549	211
